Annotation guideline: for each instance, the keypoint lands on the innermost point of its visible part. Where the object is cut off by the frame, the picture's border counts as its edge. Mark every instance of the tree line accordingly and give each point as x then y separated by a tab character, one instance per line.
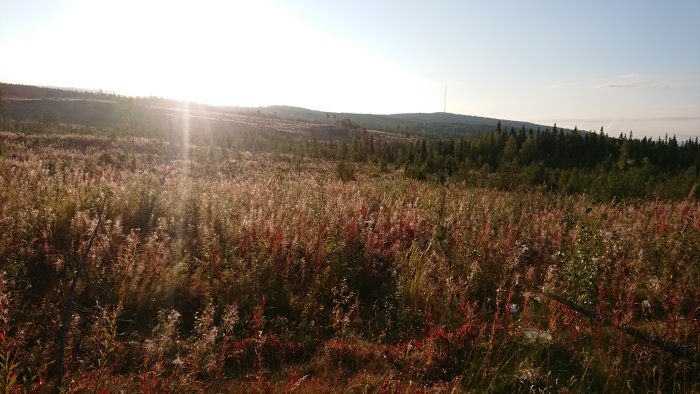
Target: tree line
562	160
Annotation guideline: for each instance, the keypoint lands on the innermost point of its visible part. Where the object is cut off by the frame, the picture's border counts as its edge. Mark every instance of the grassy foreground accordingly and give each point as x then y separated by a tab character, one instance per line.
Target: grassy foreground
227	271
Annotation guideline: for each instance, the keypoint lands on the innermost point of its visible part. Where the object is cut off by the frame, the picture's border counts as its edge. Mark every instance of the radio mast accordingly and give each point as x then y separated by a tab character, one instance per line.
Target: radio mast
444	106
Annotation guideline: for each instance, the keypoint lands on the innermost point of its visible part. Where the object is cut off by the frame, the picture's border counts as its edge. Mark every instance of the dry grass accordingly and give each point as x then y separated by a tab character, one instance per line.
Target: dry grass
234	272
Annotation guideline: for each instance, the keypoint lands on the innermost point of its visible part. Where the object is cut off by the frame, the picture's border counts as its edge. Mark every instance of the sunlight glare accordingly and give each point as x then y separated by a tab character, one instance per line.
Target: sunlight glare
221	53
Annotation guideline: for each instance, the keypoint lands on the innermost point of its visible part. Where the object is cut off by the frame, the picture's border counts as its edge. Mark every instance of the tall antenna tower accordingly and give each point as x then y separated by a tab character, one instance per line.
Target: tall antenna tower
444	107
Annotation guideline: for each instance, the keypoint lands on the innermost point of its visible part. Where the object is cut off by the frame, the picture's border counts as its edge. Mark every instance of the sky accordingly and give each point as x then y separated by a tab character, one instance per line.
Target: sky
623	65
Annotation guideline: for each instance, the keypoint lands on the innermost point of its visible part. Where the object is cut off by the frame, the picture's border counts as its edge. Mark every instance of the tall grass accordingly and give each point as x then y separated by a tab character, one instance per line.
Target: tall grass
267	272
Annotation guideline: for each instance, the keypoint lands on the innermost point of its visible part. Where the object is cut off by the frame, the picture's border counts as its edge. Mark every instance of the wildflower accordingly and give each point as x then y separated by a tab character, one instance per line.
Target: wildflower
514	308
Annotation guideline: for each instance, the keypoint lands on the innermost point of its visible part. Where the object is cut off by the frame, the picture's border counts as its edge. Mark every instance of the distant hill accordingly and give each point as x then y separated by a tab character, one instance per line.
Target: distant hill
432	123
456	119
38	92
95	108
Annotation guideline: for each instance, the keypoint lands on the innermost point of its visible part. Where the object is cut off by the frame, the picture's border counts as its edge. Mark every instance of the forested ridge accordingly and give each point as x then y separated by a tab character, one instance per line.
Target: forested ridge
569	161
557	159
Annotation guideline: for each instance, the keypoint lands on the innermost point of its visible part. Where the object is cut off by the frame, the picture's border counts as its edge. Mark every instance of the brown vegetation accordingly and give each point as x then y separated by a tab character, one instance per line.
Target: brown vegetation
231	272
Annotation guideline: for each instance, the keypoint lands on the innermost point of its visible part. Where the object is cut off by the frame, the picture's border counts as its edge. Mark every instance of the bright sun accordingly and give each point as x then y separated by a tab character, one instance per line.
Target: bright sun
219	52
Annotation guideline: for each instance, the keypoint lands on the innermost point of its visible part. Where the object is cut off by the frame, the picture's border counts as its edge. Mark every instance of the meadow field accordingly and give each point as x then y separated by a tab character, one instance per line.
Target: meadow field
229	270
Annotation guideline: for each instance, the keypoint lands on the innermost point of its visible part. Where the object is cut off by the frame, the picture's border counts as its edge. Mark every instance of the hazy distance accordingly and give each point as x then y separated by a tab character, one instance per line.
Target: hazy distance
626	65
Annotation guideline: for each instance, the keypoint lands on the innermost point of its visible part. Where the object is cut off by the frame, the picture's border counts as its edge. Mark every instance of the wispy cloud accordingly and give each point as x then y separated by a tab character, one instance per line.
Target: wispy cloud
630	81
638	84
